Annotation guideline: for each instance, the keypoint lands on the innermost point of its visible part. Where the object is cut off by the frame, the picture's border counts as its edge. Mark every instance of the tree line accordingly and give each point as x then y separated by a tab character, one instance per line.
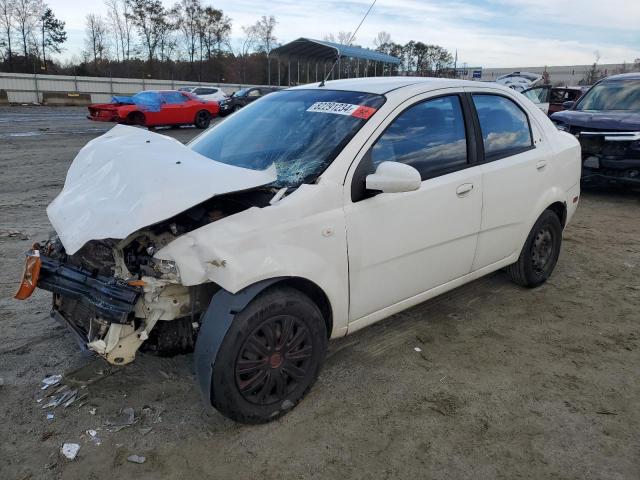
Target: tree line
190	40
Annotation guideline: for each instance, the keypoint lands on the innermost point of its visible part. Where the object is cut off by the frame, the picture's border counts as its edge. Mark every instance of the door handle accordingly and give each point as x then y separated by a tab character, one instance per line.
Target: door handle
541	164
464	189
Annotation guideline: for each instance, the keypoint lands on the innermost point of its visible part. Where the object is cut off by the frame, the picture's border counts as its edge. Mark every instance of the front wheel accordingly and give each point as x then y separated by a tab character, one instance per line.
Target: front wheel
203	119
270	357
540	252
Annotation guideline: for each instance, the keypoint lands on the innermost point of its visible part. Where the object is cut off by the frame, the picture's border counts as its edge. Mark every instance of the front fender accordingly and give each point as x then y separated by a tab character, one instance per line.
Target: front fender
215	323
302	236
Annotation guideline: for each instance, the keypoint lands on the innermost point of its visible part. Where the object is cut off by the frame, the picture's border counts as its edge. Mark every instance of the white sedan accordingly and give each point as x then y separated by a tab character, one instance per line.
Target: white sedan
206	93
306	216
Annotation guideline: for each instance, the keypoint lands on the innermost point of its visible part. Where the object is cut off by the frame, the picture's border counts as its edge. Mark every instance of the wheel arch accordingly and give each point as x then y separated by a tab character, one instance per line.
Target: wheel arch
560	209
222	310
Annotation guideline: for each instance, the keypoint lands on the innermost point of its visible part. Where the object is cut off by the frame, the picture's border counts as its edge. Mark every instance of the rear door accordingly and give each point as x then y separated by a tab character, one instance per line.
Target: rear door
403	244
514	173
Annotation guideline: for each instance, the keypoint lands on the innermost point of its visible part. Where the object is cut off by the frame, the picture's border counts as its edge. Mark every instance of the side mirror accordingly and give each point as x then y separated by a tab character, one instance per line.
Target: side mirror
568	105
393	177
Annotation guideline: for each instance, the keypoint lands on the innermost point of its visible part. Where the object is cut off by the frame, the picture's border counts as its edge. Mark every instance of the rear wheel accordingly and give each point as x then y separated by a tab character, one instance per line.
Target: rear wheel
540	252
270	357
203	119
136	118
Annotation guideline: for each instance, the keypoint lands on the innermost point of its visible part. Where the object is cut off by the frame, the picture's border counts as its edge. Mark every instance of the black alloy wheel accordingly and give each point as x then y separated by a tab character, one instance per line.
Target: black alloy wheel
270	356
274	360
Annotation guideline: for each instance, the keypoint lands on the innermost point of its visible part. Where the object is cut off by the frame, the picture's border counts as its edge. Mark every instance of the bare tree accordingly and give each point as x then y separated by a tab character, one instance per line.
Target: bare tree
215	30
119	15
341	37
149	17
6	24
96	38
382	38
249	41
188	15
265	39
25	14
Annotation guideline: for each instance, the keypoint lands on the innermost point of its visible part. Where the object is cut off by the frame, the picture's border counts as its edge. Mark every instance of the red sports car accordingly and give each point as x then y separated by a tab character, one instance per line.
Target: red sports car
154	108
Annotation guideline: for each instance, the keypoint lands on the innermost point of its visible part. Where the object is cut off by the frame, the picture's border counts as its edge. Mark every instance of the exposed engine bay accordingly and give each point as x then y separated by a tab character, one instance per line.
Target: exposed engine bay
116	296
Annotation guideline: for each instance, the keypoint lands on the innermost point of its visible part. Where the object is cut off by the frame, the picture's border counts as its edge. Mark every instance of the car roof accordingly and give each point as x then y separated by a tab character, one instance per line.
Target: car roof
624	76
381	85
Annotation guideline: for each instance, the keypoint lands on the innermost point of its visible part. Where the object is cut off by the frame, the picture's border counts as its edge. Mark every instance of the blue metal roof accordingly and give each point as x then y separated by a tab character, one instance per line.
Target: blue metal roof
322	49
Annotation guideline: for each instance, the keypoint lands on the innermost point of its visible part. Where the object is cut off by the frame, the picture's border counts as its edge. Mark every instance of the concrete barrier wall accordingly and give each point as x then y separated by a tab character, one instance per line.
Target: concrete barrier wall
66	98
29	88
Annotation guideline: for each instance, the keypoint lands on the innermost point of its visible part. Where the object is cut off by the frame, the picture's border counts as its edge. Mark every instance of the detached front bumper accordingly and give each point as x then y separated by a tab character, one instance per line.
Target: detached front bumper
85	302
107	297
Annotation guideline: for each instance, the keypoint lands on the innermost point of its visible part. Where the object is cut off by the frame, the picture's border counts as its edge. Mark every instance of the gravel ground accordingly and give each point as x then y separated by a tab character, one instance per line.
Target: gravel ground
509	383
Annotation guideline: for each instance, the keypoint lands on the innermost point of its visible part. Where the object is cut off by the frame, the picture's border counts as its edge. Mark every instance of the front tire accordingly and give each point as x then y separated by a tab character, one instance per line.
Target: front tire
270	357
540	252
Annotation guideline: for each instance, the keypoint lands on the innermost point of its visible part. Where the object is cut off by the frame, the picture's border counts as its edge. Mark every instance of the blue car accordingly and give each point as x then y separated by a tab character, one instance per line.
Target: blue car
606	121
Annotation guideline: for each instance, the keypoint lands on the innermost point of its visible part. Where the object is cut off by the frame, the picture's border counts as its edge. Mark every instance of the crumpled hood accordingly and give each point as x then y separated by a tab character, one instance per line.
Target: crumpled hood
130	178
610	120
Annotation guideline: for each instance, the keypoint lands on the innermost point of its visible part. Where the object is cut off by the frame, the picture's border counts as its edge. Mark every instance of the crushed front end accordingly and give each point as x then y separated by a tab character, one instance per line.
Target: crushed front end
114	296
610	156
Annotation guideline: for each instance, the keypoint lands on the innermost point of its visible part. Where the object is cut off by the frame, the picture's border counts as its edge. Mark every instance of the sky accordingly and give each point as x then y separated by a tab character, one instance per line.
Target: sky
486	33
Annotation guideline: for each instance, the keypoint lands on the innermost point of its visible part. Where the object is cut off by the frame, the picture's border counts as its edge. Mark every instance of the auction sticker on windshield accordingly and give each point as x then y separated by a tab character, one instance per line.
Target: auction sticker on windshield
337	108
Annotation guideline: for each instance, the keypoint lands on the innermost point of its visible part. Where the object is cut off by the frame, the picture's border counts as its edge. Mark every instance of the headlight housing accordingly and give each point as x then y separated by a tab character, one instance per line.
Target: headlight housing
562	127
165	268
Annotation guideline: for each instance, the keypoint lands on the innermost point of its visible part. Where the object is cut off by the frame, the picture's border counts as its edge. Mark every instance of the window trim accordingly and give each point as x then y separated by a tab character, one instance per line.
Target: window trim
358	190
483	158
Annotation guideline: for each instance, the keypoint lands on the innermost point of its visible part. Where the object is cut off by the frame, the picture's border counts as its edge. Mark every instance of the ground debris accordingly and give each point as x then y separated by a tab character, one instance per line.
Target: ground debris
50	380
136	458
126	418
70	450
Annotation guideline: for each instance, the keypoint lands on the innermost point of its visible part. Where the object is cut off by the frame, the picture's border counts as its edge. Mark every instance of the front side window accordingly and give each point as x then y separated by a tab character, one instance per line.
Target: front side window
429	136
538	94
505	127
173	97
300	131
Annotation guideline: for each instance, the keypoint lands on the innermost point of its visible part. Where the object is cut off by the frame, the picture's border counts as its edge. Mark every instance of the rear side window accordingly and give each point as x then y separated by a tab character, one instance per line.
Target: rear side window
505	127
429	136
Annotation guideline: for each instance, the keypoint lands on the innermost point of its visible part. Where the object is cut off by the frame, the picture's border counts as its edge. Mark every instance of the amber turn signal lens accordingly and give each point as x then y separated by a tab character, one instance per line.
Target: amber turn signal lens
29	276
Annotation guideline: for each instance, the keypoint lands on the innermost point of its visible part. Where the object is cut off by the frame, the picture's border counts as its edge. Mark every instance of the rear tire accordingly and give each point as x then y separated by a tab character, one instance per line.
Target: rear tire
270	357
202	120
540	253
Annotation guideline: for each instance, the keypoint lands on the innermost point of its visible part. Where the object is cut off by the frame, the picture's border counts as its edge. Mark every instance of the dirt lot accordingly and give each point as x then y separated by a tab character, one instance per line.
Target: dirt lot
509	383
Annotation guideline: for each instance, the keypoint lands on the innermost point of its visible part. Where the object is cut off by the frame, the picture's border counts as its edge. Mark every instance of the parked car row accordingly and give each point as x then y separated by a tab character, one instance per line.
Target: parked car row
154	108
185	106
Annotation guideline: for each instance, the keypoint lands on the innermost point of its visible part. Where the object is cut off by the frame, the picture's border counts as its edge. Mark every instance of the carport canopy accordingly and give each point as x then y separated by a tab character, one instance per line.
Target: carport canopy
326	51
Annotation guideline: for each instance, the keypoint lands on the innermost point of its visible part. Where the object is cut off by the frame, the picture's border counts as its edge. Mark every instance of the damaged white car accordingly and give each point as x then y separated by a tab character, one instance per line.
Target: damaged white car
305	216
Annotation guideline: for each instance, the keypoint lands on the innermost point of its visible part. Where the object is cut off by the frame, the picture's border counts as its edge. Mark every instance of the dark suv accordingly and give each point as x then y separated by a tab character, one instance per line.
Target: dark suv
606	120
243	97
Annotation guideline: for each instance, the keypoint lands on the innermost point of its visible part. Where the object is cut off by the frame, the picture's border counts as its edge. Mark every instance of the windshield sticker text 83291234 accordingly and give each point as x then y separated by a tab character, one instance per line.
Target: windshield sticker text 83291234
337	108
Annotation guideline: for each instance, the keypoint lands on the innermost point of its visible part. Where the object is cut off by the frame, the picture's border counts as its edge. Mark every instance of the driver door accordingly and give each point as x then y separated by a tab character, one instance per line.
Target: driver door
403	244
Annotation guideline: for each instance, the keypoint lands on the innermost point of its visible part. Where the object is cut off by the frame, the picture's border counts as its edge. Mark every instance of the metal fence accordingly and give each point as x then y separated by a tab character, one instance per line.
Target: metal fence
28	88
